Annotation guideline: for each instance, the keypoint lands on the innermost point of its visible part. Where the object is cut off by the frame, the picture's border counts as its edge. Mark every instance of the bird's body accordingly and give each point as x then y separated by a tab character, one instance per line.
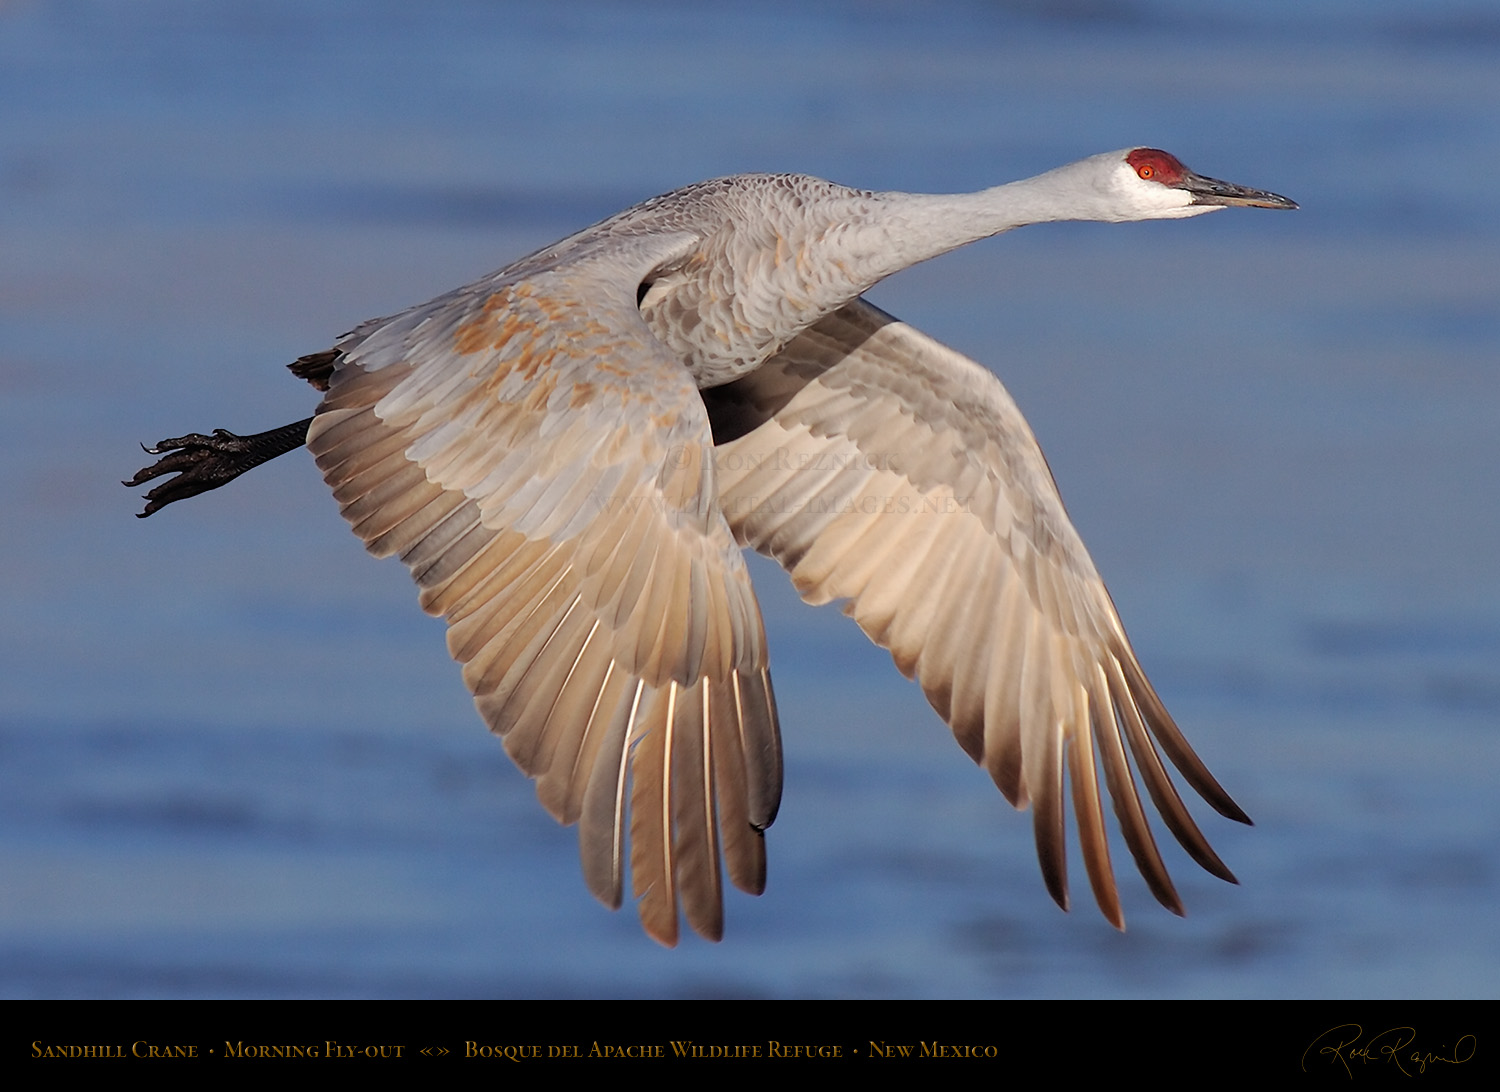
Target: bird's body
569	453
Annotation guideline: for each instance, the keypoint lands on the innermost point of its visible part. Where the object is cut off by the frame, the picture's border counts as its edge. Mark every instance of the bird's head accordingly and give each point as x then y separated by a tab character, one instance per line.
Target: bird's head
1158	186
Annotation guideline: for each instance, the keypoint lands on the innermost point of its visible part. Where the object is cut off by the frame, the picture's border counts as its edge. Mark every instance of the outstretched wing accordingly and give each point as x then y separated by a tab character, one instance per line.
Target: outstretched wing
882	468
546	471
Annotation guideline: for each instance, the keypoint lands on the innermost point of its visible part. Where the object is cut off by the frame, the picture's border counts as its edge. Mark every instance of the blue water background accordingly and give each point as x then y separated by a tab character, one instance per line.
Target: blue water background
235	759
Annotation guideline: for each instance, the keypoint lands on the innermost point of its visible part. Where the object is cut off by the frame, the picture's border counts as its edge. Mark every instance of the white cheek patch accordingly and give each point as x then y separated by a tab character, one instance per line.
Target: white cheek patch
1153	201
1183	212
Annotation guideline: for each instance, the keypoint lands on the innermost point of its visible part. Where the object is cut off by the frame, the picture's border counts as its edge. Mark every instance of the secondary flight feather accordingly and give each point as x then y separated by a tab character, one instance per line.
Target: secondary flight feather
569	454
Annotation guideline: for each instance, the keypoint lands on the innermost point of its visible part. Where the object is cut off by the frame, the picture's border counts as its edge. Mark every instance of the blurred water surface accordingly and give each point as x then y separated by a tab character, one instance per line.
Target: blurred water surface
235	759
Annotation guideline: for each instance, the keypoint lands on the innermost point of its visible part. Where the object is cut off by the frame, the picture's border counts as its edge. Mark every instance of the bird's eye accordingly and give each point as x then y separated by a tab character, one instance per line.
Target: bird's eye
1146	172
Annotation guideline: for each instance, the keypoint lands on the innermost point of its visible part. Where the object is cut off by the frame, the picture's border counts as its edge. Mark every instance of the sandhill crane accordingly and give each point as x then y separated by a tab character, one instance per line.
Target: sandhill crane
570	453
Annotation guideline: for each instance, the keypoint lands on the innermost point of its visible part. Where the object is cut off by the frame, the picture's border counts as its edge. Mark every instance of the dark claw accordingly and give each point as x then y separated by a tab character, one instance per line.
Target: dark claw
204	462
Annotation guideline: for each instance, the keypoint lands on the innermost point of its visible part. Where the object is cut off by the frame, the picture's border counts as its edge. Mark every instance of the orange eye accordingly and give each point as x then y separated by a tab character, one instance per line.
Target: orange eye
1146	172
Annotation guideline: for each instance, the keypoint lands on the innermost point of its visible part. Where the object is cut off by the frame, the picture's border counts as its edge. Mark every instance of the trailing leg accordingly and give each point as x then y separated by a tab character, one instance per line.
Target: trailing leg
204	462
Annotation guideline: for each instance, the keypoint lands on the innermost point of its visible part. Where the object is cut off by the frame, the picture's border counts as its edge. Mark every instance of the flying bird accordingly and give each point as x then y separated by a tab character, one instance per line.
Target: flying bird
570	453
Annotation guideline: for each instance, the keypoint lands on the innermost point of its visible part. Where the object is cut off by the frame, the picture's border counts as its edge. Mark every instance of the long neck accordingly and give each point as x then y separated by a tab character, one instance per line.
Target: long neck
908	228
790	262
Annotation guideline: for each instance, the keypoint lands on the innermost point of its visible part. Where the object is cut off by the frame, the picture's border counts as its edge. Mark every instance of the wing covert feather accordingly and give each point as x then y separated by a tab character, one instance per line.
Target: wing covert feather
886	470
546	472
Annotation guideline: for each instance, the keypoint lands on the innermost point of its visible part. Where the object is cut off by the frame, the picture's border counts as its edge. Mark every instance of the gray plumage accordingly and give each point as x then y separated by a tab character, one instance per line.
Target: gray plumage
569	454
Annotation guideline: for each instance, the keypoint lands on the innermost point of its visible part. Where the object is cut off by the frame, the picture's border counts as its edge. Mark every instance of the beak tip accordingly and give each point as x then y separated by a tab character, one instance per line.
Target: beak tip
1213	191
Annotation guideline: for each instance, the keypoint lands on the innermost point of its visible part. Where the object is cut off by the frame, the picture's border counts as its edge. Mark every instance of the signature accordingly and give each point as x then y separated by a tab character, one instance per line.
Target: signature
1347	1045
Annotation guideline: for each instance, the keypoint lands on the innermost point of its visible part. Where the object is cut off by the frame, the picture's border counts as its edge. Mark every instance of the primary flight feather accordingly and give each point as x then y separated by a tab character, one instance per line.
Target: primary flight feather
569	453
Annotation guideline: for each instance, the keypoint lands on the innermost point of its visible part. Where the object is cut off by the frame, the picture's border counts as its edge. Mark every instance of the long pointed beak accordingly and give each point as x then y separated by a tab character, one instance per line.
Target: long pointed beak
1211	191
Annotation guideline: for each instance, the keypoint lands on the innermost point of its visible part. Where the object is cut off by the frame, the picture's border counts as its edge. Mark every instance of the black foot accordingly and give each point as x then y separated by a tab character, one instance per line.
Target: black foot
204	462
